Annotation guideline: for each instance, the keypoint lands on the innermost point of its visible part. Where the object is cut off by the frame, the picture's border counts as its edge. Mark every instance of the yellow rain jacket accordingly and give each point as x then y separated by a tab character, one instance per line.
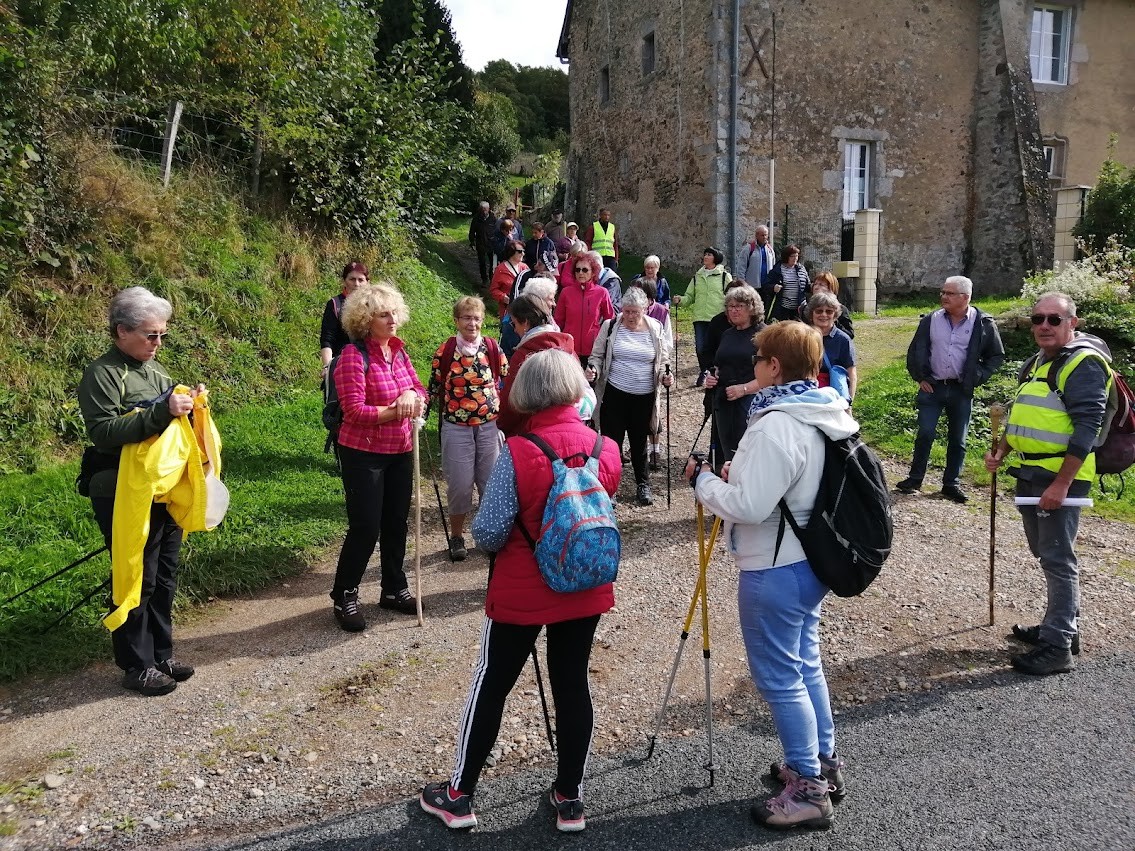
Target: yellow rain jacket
179	467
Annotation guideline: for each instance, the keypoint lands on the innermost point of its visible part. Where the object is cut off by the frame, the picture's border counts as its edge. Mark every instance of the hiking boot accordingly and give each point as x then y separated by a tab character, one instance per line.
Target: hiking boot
909	486
149	682
831	769
643	495
348	613
457	551
803	803
175	670
569	812
400	601
1044	659
1031	635
453	808
955	494
700	381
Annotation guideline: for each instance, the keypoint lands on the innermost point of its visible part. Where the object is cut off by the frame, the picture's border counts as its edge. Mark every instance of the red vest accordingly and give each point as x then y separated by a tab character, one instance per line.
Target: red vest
517	592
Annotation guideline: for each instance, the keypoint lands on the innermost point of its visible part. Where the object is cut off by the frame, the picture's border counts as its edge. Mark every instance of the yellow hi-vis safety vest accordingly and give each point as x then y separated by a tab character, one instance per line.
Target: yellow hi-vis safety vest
1039	427
603	242
179	467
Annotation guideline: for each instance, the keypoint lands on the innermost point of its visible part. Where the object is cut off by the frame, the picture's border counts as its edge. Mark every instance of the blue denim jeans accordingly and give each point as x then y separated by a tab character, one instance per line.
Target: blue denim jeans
701	346
957	404
780	624
1051	536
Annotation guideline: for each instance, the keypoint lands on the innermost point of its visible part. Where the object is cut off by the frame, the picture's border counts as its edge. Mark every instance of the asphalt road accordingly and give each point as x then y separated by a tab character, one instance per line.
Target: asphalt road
1002	762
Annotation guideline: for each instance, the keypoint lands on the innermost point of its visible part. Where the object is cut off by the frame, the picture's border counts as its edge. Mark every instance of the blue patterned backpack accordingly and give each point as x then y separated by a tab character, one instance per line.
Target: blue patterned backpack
578	547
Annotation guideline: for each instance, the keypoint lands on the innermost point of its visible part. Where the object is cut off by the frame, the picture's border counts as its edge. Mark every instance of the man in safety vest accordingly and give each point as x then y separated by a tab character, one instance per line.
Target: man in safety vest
1053	428
602	239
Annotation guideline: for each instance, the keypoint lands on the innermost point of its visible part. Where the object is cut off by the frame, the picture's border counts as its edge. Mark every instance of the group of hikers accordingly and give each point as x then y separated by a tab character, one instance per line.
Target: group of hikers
584	372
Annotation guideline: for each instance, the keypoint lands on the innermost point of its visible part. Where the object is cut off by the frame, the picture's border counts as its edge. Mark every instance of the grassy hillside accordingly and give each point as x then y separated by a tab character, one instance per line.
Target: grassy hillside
248	292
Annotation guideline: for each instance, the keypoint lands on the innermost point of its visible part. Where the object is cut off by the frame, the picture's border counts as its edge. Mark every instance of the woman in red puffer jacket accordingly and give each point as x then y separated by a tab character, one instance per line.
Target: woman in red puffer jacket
519	603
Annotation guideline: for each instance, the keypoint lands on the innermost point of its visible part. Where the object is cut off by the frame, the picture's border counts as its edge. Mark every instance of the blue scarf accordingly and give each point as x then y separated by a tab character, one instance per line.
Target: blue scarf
779	392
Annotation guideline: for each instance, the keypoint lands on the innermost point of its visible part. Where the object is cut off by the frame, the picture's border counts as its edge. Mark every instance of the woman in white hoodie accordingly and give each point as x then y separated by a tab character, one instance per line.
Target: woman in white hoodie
782	455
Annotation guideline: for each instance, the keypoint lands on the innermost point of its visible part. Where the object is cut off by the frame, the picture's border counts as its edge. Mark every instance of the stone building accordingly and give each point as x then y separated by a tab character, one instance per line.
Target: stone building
954	118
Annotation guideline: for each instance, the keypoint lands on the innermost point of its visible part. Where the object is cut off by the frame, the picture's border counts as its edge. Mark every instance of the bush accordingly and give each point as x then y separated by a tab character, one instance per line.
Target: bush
1110	209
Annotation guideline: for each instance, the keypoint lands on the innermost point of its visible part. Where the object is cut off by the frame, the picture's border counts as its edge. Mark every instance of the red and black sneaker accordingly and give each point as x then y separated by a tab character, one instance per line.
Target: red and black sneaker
452	807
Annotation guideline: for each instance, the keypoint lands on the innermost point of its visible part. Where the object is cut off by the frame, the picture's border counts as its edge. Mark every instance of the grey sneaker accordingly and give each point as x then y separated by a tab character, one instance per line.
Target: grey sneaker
831	769
347	611
149	682
803	803
1044	659
455	809
457	551
176	670
569	812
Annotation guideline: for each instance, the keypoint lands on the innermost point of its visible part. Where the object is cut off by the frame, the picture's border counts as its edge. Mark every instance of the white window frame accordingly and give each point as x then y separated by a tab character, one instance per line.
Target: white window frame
857	176
1050	42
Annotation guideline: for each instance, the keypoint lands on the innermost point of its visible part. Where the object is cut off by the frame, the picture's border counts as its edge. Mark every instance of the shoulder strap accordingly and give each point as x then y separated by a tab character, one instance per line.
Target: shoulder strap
337	304
361	346
752	248
598	448
542	444
494	357
448	353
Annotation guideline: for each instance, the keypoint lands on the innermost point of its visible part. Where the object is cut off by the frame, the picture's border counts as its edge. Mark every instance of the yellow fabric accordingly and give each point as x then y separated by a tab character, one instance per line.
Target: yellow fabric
169	468
603	239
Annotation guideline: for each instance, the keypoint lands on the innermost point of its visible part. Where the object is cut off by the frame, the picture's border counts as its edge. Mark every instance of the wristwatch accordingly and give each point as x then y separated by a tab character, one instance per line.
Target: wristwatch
697	472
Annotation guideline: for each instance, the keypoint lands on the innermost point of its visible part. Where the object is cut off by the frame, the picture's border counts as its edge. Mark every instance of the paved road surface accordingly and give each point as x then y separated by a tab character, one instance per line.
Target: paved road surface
1005	762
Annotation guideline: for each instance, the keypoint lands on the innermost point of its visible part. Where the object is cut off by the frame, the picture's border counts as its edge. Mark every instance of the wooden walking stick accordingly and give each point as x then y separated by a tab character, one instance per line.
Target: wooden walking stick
418	519
996	414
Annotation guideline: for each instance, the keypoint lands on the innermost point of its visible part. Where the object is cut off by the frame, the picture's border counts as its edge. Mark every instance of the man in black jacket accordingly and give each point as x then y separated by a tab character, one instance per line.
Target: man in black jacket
482	228
954	350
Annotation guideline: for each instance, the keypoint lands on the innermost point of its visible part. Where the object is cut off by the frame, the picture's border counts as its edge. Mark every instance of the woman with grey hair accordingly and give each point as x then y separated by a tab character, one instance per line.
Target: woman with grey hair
519	602
821	312
545	289
126	397
650	272
628	364
733	385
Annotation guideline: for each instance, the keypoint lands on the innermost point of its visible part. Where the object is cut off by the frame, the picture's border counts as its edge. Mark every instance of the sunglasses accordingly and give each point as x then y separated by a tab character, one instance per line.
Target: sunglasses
1053	319
155	338
761	358
947	293
579	269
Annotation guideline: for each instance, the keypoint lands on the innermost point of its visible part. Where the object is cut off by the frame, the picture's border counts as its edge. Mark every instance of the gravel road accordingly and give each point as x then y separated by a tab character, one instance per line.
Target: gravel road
291	721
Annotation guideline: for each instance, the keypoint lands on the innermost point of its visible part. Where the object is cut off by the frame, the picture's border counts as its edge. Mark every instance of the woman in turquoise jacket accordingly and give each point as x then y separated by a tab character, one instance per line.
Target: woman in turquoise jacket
706	292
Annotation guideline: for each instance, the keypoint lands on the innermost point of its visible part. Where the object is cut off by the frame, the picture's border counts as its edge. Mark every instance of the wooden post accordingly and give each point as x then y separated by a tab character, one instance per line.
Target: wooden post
173	119
996	415
257	156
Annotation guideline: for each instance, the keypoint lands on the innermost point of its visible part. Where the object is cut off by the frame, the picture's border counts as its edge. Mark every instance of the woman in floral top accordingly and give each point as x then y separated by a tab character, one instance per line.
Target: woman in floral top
466	377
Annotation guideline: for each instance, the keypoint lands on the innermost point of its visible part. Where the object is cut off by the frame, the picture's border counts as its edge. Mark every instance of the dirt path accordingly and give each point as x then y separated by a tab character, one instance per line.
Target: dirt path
290	719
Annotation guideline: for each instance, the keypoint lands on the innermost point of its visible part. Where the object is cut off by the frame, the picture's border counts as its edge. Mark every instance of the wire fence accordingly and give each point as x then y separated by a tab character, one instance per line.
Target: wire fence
823	238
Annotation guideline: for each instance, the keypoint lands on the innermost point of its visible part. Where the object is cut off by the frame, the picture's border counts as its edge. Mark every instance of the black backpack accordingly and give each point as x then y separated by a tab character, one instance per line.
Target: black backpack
332	410
850	532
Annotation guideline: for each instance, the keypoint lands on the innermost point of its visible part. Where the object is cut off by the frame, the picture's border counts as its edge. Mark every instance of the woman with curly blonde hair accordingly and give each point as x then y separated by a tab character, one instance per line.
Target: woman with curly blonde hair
380	394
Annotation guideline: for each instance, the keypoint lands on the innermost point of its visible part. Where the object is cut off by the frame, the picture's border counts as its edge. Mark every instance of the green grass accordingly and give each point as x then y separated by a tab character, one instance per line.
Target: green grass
287	507
917	304
885	407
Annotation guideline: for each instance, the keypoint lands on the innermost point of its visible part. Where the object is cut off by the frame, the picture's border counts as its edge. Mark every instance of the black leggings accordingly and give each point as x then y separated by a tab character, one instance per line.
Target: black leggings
628	414
377	489
504	650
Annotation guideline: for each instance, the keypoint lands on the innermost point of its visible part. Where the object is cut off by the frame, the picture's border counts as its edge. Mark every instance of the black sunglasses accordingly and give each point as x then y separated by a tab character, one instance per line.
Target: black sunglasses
1053	319
758	358
582	269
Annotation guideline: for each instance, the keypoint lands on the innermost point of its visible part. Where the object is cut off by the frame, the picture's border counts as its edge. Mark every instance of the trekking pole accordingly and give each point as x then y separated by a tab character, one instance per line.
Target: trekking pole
433	476
996	413
543	700
667	441
700	593
418	423
60	572
75	607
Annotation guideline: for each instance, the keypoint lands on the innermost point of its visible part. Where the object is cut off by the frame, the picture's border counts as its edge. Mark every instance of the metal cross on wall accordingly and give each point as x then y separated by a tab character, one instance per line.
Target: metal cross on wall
757	44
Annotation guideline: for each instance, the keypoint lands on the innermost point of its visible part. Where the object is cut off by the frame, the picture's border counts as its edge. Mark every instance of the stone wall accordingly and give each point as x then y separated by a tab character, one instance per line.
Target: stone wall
900	75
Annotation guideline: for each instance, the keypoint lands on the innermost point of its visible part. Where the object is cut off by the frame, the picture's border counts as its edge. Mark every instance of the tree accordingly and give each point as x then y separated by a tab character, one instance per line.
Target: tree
540	96
402	20
1110	208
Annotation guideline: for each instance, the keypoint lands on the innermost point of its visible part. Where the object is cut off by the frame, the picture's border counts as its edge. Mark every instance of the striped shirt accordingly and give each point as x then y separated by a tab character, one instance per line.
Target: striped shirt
365	396
632	360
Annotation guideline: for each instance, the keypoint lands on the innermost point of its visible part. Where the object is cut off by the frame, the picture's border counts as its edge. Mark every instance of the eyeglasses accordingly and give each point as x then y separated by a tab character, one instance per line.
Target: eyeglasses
948	293
822	311
1053	319
155	337
470	319
761	358
579	269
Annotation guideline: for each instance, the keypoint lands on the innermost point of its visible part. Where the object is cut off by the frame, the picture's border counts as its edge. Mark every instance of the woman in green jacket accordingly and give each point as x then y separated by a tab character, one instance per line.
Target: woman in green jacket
706	292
